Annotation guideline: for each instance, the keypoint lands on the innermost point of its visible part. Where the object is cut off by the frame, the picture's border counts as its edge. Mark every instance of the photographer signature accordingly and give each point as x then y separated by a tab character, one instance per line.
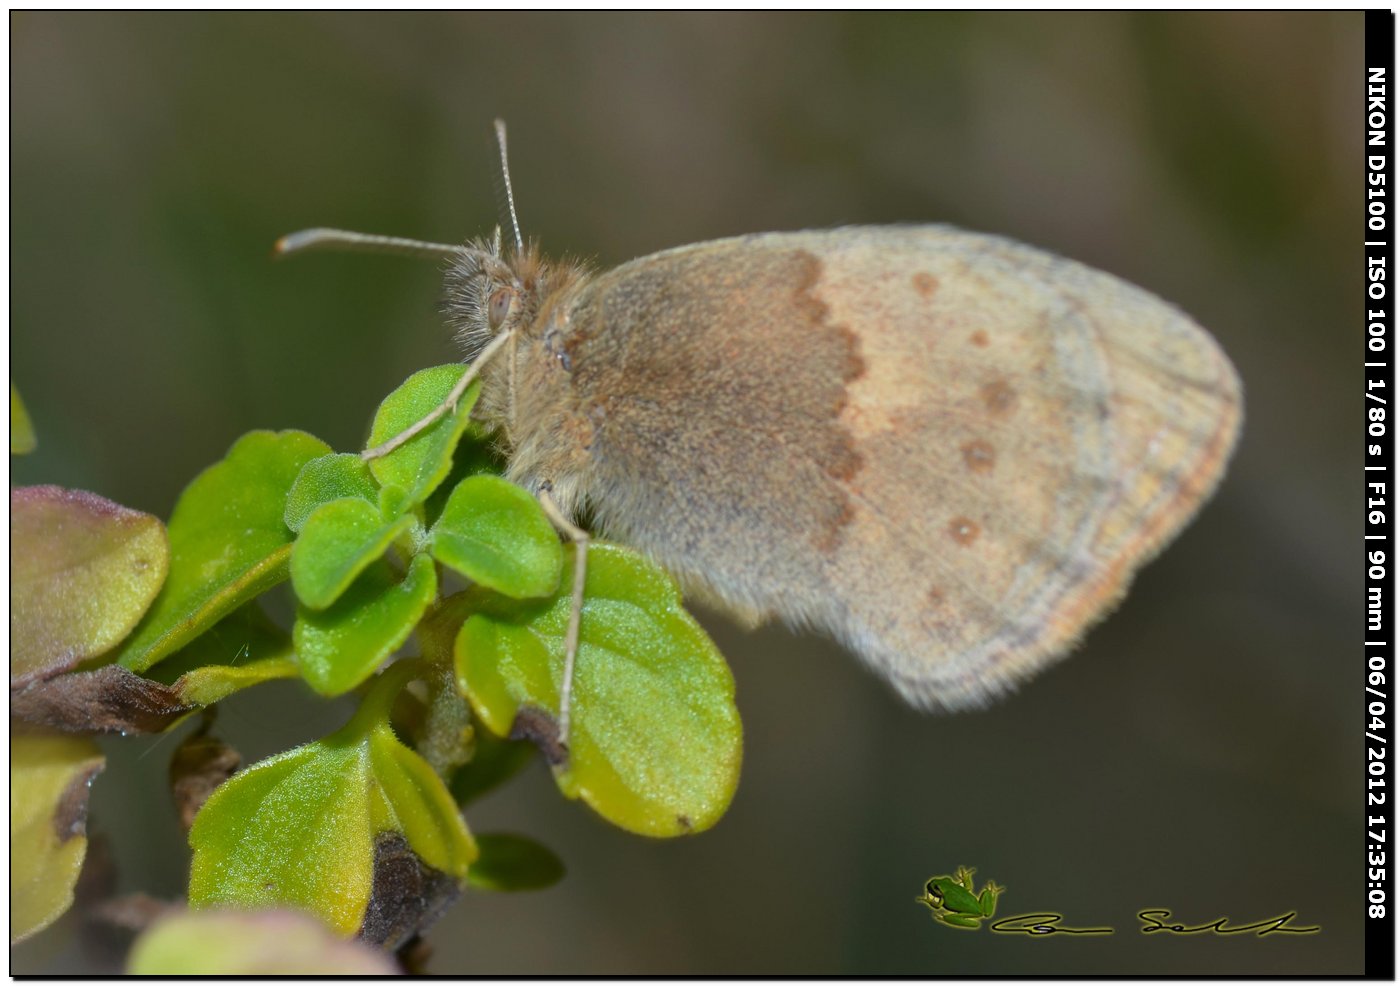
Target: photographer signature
1153	920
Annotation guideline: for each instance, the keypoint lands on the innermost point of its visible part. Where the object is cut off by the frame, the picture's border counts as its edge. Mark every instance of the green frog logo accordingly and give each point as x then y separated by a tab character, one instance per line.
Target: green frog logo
955	901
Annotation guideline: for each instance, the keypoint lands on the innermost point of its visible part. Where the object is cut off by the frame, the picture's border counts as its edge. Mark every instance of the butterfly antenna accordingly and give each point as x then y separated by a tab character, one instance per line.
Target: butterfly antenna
510	194
342	239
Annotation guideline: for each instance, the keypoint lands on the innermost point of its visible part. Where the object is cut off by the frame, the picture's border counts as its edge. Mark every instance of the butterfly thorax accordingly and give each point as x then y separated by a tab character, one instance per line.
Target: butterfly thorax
526	398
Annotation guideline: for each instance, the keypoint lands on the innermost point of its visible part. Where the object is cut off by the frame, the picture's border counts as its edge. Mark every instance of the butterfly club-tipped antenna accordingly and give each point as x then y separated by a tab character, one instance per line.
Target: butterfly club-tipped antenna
344	240
310	240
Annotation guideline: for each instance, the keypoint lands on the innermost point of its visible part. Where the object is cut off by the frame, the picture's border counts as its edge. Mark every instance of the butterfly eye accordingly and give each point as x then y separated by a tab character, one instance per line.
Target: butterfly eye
498	306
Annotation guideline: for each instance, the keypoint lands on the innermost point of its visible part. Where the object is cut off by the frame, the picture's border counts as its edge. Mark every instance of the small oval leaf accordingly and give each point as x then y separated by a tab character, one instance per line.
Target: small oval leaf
495	534
418	466
339	541
512	862
656	739
49	781
83	570
228	541
330	477
342	645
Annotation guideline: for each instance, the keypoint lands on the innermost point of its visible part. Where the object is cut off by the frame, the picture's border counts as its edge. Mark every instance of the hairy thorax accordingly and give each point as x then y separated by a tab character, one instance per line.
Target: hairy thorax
527	397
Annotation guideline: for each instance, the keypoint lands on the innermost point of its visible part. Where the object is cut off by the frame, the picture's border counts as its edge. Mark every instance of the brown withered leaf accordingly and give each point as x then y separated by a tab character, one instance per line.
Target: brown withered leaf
199	765
407	897
109	699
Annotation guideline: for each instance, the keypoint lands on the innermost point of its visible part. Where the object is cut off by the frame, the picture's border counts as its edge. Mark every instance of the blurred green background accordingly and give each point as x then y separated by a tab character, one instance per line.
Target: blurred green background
1200	752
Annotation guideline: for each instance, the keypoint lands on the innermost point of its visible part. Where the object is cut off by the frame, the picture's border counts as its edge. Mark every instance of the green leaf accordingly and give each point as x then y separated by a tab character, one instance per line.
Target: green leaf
495	534
513	862
22	438
82	572
293	829
477	454
412	800
49	781
655	744
424	461
393	501
330	477
251	944
342	645
339	541
300	829
228	541
216	682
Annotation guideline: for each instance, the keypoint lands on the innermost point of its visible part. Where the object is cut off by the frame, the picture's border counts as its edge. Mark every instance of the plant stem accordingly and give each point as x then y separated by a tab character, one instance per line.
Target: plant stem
375	707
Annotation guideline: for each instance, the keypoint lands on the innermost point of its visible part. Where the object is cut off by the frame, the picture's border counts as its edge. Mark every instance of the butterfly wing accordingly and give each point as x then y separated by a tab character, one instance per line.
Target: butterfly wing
949	450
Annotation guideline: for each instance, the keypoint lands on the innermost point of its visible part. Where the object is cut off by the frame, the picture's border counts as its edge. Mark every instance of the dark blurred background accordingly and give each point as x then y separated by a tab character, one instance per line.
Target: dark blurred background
1200	752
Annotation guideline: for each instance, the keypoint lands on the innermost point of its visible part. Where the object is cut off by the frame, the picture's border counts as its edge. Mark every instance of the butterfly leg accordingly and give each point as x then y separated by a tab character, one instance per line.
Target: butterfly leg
581	540
448	405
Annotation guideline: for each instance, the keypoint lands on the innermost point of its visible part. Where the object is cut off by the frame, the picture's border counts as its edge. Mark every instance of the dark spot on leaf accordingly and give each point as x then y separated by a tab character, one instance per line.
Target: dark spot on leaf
684	822
999	397
70	814
979	456
964	531
925	284
407	896
539	727
979	339
110	699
